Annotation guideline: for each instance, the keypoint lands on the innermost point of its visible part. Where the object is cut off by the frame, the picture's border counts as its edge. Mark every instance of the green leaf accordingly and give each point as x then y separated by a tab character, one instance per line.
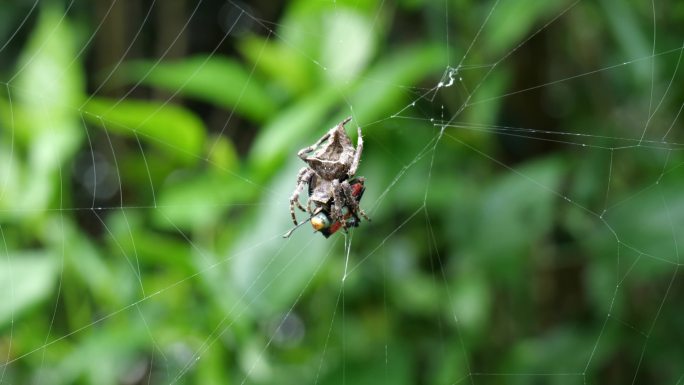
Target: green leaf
471	301
114	348
11	178
46	90
197	199
172	129
375	99
222	153
267	270
285	66
84	259
516	226
559	350
218	80
513	21
625	26
396	366
200	199
649	222
131	237
25	280
284	134
344	58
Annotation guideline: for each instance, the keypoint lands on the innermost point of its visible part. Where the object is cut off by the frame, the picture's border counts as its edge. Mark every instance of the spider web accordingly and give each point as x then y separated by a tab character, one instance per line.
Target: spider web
509	242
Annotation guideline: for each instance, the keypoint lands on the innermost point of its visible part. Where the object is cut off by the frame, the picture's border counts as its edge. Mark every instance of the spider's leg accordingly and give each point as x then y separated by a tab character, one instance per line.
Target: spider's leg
338	197
292	212
303	178
350	201
360	211
311	205
306	150
357	154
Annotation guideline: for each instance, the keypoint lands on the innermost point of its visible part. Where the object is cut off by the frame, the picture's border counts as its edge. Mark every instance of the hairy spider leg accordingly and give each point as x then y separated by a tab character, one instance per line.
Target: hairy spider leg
349	193
336	211
306	150
333	131
343	195
303	178
357	154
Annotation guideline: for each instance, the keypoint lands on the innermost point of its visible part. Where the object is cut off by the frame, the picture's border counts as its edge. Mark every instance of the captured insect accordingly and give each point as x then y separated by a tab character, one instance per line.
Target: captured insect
321	220
334	193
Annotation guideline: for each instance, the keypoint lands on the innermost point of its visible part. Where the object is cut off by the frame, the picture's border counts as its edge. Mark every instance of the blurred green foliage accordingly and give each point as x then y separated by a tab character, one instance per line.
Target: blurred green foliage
530	240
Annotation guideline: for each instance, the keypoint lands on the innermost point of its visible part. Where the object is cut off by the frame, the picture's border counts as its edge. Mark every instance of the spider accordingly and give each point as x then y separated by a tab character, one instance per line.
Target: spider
332	161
